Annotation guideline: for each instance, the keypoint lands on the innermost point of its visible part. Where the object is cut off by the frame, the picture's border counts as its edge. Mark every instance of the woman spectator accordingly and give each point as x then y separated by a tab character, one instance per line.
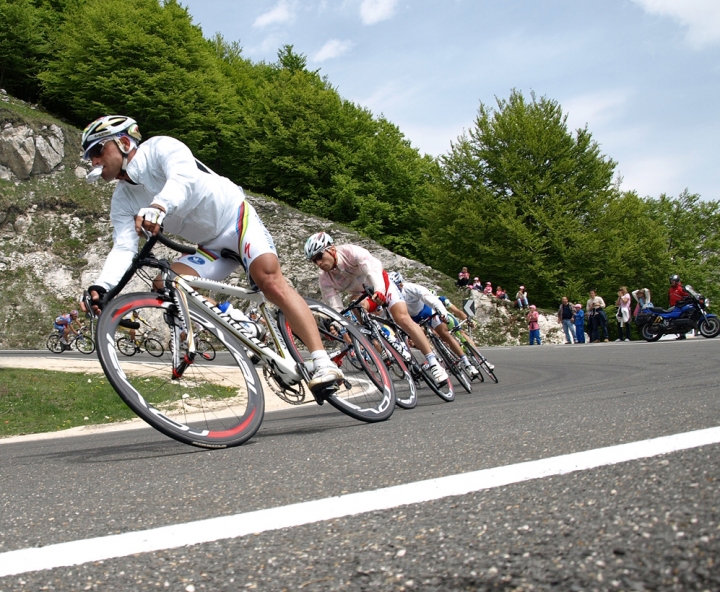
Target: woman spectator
623	313
488	289
464	278
565	316
644	300
521	298
477	284
533	325
500	294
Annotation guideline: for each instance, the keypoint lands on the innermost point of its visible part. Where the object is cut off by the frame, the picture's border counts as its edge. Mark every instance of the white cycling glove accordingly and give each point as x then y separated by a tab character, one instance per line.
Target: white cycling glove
152	215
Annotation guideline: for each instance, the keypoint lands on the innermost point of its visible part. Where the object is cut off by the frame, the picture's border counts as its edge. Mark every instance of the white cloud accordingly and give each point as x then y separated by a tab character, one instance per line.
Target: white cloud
594	109
332	49
374	11
701	18
282	13
652	175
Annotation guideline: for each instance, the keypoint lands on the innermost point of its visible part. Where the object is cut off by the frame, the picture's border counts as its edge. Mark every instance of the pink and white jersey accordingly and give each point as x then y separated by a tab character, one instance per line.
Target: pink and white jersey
355	266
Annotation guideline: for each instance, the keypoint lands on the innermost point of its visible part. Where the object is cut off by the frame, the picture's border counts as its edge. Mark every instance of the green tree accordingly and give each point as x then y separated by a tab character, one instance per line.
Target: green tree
521	199
146	59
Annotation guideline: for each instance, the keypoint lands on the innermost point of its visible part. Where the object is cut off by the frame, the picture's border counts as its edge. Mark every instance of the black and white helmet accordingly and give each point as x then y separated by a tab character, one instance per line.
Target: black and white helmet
396	278
674	278
108	127
317	243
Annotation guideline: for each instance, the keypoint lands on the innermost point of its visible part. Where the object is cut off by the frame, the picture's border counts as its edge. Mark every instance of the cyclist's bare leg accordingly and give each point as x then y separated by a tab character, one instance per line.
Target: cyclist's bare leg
266	273
444	334
400	315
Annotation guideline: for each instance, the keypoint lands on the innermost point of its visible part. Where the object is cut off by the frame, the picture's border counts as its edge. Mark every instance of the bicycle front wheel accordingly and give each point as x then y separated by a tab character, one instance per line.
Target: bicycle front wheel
206	349
484	365
452	363
84	344
367	393
54	345
154	347
211	404
403	382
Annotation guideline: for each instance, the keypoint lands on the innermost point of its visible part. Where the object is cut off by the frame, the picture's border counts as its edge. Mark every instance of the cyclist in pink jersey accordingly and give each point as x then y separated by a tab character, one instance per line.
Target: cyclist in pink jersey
348	268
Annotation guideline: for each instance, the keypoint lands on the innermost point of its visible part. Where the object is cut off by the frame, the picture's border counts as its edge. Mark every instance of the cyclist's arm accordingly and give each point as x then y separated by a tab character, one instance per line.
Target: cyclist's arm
125	241
457	312
180	171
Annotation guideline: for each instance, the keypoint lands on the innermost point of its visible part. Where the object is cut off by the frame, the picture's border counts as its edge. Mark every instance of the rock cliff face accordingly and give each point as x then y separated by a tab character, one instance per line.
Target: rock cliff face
55	234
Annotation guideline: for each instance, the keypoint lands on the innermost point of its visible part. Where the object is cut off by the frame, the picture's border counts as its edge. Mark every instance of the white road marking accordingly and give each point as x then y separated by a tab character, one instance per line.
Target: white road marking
228	527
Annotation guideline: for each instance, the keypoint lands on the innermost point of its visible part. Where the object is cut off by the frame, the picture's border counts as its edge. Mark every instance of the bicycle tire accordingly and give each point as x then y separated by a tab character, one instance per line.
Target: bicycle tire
367	394
212	405
53	344
154	347
205	348
452	363
476	360
445	392
403	382
484	364
126	346
84	344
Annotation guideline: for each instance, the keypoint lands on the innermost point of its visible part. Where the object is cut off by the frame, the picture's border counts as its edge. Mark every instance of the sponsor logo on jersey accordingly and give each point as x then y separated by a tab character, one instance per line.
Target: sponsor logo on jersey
196	260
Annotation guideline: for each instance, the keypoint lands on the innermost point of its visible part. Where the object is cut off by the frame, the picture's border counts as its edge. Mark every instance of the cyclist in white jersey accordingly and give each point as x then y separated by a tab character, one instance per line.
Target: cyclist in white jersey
161	182
423	304
348	268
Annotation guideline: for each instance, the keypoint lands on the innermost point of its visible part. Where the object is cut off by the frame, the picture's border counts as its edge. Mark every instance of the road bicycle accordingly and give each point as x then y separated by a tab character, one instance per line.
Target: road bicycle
81	342
220	403
144	342
395	357
478	360
417	364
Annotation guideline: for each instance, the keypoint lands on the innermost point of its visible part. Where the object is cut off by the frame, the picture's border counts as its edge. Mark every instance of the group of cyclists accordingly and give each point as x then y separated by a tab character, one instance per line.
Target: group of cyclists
161	184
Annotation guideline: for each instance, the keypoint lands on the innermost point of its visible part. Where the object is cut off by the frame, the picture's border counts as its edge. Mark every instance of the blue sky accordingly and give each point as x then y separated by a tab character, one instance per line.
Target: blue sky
644	75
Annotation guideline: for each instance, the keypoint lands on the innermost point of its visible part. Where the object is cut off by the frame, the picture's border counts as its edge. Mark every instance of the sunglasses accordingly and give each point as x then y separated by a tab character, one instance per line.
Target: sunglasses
96	151
317	257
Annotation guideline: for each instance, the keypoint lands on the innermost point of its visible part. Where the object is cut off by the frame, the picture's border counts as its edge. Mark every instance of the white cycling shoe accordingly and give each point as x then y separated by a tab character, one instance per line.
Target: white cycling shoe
472	370
324	380
439	374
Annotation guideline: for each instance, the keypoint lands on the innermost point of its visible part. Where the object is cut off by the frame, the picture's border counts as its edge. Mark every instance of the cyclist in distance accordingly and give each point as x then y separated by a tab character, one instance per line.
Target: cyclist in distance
64	325
160	182
423	304
348	268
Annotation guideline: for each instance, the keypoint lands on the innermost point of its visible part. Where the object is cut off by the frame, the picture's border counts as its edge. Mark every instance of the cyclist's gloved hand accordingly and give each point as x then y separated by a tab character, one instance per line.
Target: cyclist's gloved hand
379	297
150	218
94	295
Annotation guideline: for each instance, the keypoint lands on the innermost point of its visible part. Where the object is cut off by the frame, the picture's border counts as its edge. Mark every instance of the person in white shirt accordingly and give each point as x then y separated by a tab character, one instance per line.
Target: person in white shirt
349	268
161	183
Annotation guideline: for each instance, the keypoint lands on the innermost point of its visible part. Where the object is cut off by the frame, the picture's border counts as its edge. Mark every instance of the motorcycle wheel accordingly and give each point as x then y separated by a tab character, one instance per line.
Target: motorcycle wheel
709	327
651	331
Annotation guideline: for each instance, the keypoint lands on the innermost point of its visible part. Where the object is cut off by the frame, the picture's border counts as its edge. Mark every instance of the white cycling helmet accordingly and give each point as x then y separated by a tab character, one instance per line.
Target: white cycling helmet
396	278
109	127
316	244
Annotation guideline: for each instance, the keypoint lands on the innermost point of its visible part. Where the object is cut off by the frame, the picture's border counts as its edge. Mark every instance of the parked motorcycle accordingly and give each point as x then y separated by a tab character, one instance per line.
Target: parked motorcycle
688	314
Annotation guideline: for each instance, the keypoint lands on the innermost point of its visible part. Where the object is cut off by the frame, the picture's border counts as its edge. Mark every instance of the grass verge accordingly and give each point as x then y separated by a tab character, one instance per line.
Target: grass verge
35	401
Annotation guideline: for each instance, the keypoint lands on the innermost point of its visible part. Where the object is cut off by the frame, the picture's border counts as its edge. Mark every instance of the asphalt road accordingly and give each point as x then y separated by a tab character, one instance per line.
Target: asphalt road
652	523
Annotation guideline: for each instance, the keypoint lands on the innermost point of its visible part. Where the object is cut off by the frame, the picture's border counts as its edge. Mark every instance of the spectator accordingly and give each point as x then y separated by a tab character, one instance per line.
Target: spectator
488	289
675	294
642	296
463	280
579	321
623	313
565	317
521	298
500	294
477	284
595	310
533	325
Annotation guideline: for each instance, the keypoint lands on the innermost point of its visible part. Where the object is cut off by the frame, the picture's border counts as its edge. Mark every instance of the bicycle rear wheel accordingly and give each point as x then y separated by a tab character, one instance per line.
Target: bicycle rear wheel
54	345
446	391
367	393
126	346
84	345
214	404
452	363
482	362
